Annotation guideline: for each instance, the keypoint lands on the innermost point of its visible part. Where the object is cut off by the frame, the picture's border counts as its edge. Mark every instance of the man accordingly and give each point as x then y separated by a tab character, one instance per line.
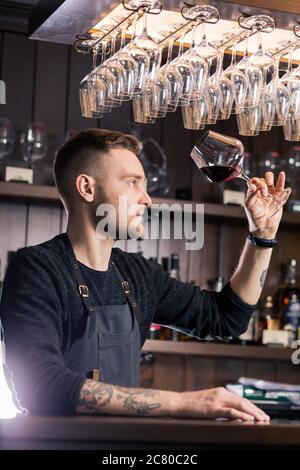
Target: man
76	312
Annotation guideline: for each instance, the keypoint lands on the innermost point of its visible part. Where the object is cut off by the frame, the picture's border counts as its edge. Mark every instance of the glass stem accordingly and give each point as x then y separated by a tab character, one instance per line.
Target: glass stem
244	177
180	50
170	51
233	56
95	53
145	31
290	62
123	38
219	64
246	54
259	39
113	45
203	33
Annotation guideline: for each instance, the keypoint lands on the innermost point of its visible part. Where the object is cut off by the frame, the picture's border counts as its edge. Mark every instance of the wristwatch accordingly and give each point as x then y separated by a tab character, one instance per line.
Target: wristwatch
262	242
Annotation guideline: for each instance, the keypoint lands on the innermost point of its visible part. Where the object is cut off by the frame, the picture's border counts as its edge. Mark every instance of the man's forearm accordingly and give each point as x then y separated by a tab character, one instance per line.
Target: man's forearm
248	280
102	398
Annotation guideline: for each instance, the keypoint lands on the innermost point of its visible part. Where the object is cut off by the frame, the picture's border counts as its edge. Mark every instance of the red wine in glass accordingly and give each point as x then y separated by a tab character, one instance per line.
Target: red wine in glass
219	157
221	174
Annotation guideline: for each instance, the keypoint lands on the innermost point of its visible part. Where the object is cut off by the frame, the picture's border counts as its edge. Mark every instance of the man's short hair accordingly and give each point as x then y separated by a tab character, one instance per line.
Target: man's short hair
81	154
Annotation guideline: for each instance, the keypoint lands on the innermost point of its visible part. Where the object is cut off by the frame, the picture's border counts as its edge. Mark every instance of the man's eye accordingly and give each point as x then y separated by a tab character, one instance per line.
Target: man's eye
133	182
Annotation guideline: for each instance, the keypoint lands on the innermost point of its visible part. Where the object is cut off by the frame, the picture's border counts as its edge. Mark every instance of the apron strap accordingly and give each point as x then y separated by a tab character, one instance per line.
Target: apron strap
84	292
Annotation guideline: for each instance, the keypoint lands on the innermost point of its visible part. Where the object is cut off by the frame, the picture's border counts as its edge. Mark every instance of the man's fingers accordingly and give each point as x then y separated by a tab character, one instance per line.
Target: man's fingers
269	177
254	410
280	181
244	405
260	184
232	413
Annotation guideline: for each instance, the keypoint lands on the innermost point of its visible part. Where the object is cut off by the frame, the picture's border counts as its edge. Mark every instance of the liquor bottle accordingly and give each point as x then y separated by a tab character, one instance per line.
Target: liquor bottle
289	301
154	331
267	319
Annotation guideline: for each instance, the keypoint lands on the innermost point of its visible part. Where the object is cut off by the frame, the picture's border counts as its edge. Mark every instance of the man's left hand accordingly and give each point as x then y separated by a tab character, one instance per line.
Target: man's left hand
264	203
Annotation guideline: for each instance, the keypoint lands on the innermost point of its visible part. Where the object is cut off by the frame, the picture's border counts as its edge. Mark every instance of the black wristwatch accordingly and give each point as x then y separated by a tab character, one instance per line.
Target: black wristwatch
262	242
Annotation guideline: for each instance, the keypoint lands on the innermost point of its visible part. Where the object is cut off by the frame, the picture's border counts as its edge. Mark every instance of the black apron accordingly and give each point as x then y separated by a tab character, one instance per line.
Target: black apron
108	349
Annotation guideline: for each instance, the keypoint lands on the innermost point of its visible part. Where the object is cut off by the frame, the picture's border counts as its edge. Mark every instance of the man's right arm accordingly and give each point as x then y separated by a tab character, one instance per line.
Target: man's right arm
101	398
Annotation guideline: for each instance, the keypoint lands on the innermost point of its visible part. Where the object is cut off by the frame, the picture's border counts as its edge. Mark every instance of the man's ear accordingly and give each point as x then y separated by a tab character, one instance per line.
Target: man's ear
85	186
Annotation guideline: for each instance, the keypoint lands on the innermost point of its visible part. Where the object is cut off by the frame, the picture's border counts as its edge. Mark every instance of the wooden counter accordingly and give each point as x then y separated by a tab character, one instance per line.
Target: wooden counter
84	432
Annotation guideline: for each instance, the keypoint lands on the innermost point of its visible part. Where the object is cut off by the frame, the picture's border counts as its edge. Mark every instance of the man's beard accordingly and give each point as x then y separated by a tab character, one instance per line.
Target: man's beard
112	228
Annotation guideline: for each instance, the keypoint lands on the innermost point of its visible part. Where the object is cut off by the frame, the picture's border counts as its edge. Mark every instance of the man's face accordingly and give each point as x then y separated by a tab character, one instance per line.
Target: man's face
121	184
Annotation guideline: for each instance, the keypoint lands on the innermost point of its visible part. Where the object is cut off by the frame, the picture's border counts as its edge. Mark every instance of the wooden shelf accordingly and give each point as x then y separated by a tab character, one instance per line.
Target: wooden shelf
218	350
221	211
30	191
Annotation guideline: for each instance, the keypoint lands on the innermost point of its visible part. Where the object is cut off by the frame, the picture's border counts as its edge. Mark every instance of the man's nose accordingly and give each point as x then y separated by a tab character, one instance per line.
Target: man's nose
146	199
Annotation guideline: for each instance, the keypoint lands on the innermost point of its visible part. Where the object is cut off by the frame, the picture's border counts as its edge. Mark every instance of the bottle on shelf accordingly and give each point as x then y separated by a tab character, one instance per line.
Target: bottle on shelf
154	331
268	319
288	299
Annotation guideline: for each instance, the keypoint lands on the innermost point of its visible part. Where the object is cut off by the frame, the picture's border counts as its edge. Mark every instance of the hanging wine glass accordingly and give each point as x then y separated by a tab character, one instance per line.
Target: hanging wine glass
144	40
282	98
174	80
186	72
99	84
199	64
129	65
221	80
142	60
261	58
85	92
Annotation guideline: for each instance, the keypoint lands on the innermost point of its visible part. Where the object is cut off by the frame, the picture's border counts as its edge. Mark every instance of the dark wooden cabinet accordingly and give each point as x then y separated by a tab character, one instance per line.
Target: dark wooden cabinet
182	366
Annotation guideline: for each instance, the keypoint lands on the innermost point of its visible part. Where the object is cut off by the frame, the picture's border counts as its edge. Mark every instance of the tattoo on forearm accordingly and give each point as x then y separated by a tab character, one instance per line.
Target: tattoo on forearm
95	397
263	277
131	402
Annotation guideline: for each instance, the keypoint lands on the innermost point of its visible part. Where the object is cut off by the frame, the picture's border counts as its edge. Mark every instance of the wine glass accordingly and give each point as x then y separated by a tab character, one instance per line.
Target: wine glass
7	137
33	143
220	159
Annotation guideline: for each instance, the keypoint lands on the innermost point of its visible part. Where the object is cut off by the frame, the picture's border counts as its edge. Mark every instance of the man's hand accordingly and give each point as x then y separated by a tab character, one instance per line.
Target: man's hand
264	203
217	403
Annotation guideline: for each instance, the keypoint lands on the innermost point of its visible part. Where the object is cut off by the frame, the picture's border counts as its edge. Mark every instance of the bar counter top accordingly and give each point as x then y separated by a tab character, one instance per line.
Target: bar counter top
113	432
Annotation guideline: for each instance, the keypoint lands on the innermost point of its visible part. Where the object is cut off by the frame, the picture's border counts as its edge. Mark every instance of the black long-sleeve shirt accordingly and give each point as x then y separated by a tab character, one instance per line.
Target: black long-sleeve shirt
41	311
